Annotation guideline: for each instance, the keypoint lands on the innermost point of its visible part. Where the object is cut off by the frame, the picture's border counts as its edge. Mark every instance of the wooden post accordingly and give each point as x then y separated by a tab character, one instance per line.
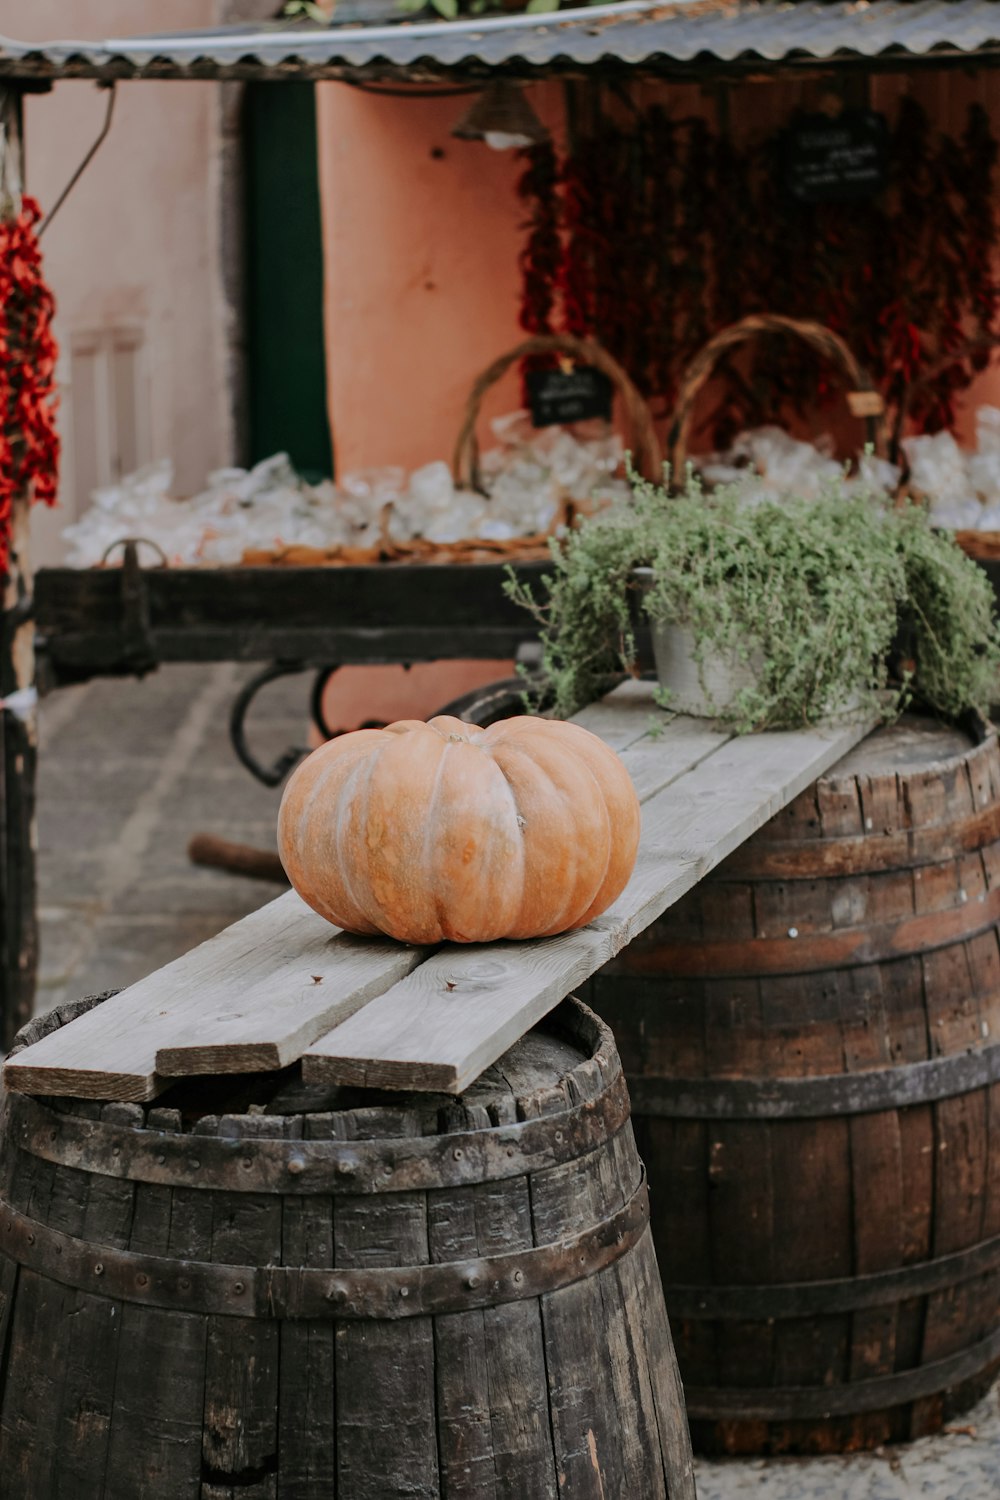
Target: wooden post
18	717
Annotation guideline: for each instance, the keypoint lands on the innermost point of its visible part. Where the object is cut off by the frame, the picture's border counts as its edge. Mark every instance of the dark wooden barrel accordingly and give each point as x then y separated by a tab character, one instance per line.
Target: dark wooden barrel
257	1290
812	1042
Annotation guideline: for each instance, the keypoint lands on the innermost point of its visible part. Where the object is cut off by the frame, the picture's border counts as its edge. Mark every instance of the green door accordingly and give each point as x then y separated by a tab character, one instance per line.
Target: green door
284	260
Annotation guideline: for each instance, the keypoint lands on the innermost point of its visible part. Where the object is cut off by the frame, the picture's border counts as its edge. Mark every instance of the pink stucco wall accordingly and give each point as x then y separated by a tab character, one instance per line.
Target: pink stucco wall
136	243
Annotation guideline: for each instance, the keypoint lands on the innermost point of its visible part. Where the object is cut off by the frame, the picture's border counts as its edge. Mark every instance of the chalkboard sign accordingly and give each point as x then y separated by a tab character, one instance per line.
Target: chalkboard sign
573	396
834	160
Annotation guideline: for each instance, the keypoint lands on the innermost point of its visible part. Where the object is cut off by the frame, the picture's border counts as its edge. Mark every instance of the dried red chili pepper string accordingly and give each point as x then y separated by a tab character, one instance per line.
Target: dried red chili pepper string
541	258
653	263
29	444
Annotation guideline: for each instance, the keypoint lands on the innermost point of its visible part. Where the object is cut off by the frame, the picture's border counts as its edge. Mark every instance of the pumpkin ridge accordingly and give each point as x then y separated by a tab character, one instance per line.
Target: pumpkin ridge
488	860
602	803
552	908
331	758
349	875
430	825
602	898
396	896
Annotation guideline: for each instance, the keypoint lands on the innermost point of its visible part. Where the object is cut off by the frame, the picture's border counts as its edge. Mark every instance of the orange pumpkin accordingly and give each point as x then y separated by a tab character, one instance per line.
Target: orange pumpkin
445	831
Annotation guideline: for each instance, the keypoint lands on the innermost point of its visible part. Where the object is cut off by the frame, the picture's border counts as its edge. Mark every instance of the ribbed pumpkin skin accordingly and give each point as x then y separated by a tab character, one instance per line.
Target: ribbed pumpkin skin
446	832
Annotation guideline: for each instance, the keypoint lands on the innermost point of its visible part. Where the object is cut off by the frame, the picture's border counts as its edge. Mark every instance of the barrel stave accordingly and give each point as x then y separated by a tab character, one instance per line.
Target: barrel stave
855	934
465	1429
384	1370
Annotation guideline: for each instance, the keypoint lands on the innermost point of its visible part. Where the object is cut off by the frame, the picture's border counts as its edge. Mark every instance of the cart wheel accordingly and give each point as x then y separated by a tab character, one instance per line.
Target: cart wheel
490	703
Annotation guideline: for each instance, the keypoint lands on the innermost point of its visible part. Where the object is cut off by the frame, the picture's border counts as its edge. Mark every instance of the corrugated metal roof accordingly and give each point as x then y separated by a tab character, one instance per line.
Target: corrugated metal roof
674	39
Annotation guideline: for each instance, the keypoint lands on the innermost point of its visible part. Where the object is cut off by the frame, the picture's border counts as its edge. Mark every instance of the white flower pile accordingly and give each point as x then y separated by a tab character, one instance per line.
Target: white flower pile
962	489
528	476
768	464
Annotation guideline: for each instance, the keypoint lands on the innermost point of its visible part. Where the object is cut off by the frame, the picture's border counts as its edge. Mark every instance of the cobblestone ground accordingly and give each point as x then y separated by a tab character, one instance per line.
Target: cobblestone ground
129	771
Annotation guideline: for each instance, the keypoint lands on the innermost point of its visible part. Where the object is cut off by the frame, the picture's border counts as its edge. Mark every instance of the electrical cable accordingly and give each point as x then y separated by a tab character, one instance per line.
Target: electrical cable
84	164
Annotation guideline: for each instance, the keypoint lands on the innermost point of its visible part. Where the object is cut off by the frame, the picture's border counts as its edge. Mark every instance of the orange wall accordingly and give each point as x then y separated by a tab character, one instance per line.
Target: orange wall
422	236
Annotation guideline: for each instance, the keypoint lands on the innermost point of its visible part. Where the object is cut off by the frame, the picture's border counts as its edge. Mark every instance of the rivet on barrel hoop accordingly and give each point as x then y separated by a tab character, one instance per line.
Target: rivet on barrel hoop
296	1165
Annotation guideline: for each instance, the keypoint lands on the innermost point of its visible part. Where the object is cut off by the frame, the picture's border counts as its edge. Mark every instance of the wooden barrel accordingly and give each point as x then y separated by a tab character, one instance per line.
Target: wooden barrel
257	1290
812	1042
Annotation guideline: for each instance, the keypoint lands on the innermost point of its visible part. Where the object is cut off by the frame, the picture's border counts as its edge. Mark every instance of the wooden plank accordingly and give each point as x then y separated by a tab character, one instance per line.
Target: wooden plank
250	998
461	1371
586	1412
624	715
307	1460
454	1015
239	1448
18	728
513	1340
385	1408
18	883
654	762
284	978
366	614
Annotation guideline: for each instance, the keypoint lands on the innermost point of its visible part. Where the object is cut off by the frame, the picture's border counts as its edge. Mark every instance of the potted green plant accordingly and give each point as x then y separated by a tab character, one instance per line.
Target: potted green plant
771	616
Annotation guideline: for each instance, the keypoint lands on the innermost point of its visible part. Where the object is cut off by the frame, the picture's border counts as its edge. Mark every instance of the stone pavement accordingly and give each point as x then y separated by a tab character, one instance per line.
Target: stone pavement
961	1464
128	772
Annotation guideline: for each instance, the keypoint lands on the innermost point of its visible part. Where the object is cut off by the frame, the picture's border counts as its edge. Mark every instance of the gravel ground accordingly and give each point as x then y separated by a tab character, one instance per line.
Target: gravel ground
963	1463
128	772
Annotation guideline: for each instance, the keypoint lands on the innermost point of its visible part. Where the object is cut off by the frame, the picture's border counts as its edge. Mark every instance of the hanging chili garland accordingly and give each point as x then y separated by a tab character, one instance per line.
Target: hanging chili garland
29	444
657	232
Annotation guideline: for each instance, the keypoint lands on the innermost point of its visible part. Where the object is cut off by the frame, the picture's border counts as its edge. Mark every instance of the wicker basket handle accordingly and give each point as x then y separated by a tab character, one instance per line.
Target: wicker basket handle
863	399
646	455
964	351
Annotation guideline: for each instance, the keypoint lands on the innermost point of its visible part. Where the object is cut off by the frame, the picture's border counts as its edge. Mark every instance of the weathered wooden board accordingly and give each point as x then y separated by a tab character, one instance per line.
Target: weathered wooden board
251	998
283	984
454	1015
382	612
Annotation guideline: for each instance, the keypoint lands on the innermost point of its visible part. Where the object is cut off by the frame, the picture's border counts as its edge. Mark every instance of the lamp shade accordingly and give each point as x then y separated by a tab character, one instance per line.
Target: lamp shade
502	117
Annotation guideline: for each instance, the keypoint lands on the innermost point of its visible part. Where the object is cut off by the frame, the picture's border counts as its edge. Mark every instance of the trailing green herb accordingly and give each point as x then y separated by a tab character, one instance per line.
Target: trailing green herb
818	595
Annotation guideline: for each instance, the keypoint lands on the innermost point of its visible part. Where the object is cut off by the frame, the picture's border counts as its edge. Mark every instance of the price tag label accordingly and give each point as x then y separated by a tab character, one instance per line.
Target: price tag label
865	403
827	160
568	396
